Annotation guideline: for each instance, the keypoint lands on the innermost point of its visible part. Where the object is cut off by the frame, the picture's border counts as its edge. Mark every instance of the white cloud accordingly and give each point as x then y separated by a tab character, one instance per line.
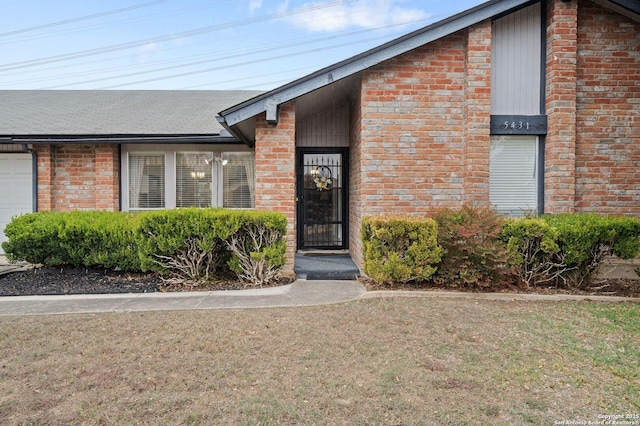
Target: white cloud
254	5
364	14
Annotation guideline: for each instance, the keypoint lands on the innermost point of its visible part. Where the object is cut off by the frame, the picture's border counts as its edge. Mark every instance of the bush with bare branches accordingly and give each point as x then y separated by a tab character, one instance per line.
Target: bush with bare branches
257	246
194	244
565	249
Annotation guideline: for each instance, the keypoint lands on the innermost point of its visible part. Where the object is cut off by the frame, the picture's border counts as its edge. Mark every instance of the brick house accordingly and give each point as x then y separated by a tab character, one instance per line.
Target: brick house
529	106
119	150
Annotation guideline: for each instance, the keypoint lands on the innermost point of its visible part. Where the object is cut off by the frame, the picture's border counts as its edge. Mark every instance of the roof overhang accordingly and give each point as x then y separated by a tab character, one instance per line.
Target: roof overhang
269	102
119	139
628	8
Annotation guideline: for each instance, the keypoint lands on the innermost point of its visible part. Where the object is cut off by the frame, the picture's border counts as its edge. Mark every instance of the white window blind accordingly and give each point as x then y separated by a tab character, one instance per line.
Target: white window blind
194	182
513	174
238	176
146	181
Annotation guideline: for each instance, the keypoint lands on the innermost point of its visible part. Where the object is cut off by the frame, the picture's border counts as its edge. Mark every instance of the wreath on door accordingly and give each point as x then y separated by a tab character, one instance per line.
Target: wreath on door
323	179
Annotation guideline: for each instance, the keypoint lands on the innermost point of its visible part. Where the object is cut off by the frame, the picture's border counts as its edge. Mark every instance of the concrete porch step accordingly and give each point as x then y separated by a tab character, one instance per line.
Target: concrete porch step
323	265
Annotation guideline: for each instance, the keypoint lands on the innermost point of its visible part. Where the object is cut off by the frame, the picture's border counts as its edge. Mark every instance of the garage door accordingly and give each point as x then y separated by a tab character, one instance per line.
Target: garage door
16	188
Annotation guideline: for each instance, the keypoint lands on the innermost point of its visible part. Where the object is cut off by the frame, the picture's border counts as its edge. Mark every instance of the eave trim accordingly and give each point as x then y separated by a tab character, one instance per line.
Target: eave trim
119	139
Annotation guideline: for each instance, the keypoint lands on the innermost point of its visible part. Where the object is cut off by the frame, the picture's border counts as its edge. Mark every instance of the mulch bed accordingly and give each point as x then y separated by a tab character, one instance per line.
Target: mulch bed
612	287
65	281
51	282
47	282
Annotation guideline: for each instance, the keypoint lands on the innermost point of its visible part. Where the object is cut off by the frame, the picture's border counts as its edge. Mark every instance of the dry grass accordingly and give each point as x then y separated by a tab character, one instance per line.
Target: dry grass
391	362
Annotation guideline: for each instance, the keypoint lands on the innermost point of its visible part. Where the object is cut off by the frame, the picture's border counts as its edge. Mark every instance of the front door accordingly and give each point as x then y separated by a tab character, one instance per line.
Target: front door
322	199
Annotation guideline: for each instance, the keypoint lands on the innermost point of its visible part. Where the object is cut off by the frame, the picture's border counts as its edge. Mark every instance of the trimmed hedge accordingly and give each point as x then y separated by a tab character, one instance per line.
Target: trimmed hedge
400	249
477	247
567	248
173	240
91	239
257	246
195	244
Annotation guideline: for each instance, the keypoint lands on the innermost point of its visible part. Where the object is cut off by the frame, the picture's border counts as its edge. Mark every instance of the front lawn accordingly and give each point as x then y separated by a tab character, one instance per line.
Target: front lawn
383	361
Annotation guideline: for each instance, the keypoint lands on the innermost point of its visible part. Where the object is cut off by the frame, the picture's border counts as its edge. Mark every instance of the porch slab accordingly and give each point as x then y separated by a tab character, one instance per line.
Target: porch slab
325	266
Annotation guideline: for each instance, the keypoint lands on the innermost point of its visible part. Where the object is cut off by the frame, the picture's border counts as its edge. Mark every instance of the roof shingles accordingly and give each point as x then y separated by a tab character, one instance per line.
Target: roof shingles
115	112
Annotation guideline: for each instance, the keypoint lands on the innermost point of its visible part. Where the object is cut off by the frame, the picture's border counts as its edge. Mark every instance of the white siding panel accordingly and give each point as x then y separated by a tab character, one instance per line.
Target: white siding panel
515	63
11	147
16	188
327	129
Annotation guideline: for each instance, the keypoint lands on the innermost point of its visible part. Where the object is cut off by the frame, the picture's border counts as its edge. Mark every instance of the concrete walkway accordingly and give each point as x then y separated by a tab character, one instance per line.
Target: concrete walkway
300	293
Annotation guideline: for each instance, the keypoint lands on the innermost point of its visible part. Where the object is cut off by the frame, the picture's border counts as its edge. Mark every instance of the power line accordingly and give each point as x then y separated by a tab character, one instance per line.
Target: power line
130	20
262	49
81	18
174	36
233	80
240	64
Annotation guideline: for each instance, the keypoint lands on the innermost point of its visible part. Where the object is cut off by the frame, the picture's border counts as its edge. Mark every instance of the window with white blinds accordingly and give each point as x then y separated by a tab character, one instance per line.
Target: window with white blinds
513	174
146	181
238	175
194	179
170	176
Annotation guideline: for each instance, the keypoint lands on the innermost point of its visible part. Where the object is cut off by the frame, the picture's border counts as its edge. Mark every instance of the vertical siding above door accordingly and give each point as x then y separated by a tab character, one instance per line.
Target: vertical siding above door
516	63
11	147
326	129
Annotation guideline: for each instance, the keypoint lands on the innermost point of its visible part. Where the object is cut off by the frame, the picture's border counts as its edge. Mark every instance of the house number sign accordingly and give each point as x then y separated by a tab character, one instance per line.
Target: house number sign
518	124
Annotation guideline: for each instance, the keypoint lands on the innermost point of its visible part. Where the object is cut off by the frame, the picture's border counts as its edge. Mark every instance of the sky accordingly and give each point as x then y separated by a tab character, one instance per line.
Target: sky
194	44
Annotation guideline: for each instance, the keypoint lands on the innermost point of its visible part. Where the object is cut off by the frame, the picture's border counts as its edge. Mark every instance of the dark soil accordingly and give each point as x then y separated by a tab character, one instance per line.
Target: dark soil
45	282
613	287
74	281
50	282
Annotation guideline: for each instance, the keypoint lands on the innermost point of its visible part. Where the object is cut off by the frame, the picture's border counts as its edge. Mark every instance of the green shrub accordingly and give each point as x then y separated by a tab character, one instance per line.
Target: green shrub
257	245
92	239
99	239
195	243
474	254
400	249
187	242
567	248
192	244
34	238
534	251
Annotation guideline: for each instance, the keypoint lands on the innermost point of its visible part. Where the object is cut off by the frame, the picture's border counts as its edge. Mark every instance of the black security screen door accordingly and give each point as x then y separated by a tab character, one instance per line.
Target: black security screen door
321	200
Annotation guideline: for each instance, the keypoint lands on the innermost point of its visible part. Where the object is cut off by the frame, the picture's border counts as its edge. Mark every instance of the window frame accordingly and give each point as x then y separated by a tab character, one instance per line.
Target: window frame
170	152
538	165
227	156
128	169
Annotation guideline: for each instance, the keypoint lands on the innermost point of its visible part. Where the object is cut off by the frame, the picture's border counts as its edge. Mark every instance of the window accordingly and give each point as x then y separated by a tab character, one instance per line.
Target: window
194	181
146	181
172	176
239	180
513	174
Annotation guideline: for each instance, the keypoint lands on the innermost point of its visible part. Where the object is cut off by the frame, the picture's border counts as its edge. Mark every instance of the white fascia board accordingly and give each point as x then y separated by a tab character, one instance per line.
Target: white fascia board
328	75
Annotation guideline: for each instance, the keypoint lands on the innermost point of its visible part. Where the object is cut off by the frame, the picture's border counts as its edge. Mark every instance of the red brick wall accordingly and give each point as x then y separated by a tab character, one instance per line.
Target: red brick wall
77	177
355	177
477	115
412	147
559	174
275	171
46	176
608	112
107	179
